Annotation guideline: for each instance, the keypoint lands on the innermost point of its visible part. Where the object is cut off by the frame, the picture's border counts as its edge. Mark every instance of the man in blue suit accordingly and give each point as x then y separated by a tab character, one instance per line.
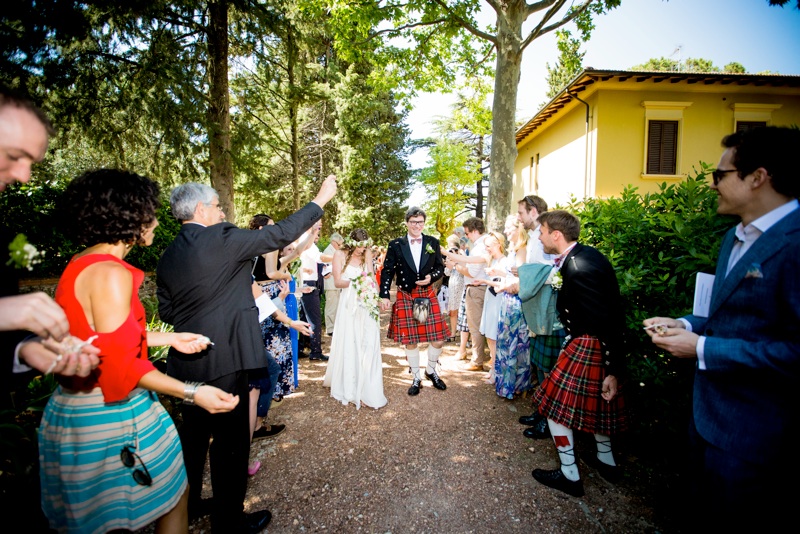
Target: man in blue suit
748	347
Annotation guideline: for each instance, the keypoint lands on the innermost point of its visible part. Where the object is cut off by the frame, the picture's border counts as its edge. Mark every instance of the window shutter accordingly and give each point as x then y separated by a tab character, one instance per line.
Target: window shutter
741	126
662	147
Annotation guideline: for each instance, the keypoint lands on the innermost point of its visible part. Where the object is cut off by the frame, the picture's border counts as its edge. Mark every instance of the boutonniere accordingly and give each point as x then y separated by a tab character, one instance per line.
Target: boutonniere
556	280
429	248
22	254
754	271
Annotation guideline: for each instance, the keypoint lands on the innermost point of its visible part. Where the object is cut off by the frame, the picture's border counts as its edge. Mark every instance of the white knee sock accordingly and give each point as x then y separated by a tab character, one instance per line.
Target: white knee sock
565	445
412	355
433	358
604	453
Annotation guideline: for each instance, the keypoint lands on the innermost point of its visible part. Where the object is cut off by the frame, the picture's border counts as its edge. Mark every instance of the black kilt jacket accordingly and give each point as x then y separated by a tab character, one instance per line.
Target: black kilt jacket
399	264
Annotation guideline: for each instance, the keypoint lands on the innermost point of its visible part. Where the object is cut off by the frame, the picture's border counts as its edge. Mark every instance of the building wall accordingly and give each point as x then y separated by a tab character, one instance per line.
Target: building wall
562	157
617	138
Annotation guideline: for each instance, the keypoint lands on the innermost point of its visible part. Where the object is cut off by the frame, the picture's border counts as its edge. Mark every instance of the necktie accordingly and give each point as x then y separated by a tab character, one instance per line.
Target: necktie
416	241
557	261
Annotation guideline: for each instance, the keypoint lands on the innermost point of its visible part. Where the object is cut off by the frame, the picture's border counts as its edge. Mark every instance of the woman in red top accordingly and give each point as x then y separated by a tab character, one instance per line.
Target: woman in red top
110	455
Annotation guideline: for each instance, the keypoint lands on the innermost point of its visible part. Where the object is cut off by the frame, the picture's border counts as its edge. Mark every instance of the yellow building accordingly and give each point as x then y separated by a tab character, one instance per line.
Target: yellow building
608	129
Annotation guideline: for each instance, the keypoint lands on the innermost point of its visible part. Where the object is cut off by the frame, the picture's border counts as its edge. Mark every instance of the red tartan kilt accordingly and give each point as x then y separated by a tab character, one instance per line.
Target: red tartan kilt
404	329
570	395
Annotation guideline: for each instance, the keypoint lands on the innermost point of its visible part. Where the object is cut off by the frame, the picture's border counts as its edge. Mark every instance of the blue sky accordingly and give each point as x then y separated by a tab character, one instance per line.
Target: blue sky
750	32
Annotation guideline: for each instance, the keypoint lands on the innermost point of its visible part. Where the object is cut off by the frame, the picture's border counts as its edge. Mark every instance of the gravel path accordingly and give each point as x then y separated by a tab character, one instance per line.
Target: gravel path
444	461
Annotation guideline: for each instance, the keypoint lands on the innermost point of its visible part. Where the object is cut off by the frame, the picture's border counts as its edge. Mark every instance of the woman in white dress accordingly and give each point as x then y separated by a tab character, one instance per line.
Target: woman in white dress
355	368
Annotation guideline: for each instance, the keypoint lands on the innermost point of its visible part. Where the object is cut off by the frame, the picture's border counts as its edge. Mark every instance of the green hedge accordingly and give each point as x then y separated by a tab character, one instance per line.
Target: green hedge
657	243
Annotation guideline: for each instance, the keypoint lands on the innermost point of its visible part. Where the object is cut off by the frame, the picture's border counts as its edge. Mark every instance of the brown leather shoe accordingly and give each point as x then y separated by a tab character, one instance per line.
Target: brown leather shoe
471	367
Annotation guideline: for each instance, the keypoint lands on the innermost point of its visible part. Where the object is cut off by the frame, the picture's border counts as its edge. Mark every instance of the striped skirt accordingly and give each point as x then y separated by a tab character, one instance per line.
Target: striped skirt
570	395
404	329
85	486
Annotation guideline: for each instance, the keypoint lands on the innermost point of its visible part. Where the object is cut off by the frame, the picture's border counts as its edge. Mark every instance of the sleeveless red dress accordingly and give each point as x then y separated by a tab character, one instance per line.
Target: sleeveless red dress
123	353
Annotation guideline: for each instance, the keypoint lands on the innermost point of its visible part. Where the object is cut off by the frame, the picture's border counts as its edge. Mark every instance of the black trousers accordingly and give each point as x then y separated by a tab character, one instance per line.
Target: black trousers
314	316
229	454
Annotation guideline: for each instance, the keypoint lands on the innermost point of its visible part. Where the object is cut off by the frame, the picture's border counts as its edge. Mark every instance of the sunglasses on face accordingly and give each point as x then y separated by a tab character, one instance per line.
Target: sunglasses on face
718	174
128	457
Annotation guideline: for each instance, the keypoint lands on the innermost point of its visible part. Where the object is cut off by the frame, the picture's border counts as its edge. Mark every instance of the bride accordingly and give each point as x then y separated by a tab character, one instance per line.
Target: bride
355	372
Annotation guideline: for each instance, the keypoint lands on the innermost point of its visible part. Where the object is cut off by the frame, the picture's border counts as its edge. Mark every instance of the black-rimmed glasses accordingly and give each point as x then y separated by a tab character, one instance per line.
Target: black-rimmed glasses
128	457
719	174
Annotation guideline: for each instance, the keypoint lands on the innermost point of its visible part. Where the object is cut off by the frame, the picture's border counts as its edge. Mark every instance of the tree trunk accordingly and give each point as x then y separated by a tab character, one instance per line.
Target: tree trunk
504	105
291	53
219	120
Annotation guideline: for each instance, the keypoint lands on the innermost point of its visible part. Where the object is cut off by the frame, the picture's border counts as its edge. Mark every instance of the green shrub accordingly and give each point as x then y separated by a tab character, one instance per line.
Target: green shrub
657	243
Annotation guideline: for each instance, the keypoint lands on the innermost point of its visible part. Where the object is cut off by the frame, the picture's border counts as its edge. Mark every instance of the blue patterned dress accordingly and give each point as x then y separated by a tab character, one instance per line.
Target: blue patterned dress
512	365
277	341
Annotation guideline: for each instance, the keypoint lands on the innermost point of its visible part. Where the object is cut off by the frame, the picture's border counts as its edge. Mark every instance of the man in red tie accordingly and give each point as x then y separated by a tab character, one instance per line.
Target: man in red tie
414	261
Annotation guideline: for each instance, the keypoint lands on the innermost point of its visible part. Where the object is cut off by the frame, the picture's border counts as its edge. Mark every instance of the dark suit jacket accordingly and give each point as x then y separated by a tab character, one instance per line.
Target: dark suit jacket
399	264
204	286
745	402
589	303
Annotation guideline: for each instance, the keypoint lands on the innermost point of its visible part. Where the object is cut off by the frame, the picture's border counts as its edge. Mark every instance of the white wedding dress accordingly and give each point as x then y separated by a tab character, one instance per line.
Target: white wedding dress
355	369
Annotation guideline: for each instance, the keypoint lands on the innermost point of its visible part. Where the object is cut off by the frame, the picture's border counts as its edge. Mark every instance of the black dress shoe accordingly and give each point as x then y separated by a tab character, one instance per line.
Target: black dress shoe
257	521
416	385
438	383
556	480
612	473
538	431
531	420
321	357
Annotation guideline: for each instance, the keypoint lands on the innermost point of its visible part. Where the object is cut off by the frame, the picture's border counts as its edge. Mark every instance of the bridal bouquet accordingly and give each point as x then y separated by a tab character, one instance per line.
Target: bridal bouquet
367	293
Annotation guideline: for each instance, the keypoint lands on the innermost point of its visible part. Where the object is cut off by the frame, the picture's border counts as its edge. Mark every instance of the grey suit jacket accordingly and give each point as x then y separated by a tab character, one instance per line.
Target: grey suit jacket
744	401
204	286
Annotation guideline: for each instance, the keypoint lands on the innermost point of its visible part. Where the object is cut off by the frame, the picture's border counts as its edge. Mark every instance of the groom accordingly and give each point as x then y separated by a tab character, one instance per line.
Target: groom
414	261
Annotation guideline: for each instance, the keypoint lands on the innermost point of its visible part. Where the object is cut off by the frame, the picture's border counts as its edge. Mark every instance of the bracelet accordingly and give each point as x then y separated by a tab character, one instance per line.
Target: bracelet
189	390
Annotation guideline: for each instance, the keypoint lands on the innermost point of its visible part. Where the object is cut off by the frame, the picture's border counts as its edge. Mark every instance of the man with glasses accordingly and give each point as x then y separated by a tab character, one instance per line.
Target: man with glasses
747	346
414	262
205	283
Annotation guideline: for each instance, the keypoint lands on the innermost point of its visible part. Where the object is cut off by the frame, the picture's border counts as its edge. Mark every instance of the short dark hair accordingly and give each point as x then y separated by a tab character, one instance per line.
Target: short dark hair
562	221
474	223
11	98
259	220
771	147
108	206
414	211
533	201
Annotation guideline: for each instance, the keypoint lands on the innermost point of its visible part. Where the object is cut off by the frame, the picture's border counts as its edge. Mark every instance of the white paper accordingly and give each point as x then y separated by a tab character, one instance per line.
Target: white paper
702	294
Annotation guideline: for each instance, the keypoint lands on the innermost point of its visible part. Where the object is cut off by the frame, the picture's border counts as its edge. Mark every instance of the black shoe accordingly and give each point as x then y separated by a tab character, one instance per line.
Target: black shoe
438	383
612	473
538	431
416	385
257	521
268	432
556	480
531	420
321	357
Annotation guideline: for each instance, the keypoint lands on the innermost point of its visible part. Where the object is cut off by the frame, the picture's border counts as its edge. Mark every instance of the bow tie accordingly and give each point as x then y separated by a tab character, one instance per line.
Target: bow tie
558	260
416	241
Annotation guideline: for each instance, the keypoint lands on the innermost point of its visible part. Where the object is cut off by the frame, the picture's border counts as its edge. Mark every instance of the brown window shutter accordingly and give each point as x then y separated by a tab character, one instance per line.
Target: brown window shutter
662	147
741	126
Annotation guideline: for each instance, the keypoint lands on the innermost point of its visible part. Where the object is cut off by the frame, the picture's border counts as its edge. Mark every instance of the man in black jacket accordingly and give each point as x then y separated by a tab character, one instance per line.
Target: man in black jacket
204	284
414	261
581	392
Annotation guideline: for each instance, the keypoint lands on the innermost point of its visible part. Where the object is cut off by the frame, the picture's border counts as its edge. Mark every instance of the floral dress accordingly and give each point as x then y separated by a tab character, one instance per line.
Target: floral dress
277	341
512	365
